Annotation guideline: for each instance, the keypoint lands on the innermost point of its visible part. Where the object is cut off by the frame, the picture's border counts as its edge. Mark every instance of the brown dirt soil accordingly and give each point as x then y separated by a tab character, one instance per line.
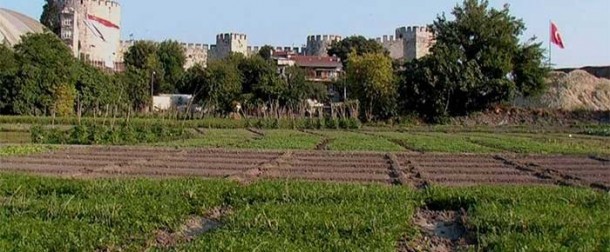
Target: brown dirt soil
579	170
418	170
550	118
571	91
441	231
467	170
193	227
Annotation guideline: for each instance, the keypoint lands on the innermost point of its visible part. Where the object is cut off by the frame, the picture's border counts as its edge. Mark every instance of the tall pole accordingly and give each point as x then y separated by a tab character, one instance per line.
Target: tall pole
152	95
550	43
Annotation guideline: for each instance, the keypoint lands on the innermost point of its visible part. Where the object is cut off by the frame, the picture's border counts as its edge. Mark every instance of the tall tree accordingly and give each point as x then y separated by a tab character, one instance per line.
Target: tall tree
358	44
142	59
477	60
45	79
172	58
215	87
96	89
8	71
266	52
298	89
372	81
50	16
260	78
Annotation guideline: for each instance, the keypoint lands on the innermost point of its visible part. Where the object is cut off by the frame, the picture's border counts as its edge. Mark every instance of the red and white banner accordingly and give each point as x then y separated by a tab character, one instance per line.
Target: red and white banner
556	36
108	35
100	27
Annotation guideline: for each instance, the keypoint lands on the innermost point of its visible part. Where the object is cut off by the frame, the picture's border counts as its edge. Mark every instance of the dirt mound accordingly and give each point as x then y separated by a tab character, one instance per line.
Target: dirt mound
504	116
577	90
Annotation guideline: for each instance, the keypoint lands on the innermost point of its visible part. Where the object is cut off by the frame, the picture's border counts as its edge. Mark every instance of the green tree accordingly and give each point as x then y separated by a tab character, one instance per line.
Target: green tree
142	60
50	16
137	55
477	61
371	79
137	85
215	87
358	44
172	58
223	86
299	89
8	71
96	89
266	52
260	79
45	78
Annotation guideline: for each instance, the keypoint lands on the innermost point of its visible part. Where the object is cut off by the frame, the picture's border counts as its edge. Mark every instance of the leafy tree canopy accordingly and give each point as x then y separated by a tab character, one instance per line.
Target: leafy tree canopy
266	52
371	79
45	79
358	44
50	16
477	60
172	59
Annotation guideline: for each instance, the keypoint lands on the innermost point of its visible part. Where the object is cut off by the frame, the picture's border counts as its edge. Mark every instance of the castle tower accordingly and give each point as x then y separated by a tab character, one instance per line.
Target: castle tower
318	45
417	41
91	28
228	43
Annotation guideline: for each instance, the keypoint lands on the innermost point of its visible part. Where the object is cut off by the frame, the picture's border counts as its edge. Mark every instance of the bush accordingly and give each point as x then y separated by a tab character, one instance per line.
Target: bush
106	135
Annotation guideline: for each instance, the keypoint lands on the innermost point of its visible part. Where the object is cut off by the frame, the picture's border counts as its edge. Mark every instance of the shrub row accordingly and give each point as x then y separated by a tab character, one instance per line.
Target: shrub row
598	132
211	123
107	135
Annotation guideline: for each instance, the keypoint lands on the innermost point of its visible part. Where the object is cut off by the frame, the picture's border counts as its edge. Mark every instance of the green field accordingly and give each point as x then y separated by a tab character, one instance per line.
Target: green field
48	214
392	141
19	150
377	139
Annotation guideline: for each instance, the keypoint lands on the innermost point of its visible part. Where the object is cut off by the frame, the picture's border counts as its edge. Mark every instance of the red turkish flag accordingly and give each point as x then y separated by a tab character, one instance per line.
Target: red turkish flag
556	36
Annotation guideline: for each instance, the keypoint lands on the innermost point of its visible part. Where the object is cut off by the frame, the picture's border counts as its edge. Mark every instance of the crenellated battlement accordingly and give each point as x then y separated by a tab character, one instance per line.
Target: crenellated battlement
195	46
387	38
411	30
324	38
231	36
107	3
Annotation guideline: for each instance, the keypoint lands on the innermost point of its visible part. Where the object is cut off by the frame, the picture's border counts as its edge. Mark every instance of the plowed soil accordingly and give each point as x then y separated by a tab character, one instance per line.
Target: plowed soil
448	170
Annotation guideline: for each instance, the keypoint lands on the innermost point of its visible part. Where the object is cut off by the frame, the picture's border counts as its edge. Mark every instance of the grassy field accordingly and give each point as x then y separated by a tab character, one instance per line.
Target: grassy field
392	141
15	137
40	214
532	218
23	150
461	140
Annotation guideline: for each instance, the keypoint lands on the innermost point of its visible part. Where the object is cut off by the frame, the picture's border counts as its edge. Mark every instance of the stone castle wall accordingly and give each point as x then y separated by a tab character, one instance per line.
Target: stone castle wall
228	43
195	53
408	43
94	44
318	45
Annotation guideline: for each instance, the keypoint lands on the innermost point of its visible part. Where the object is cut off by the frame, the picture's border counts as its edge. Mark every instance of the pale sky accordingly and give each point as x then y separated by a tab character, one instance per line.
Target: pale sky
584	24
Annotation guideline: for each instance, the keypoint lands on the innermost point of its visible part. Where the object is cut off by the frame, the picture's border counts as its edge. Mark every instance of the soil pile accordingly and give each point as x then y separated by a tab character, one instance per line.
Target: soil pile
577	90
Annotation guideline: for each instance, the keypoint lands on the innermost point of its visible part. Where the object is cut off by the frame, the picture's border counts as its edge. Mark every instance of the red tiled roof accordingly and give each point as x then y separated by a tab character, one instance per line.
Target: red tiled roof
317	61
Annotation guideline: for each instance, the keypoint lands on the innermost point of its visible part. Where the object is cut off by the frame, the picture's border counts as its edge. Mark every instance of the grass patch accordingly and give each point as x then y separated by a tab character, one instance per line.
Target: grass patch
19	150
541	144
41	214
15	137
279	216
215	138
352	141
436	142
284	139
534	218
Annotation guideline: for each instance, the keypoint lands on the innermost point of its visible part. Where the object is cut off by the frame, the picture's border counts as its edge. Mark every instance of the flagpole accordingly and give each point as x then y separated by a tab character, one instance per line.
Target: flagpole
550	44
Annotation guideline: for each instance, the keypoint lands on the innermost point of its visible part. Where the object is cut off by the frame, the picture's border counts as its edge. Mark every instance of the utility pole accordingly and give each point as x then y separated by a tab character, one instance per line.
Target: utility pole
152	90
